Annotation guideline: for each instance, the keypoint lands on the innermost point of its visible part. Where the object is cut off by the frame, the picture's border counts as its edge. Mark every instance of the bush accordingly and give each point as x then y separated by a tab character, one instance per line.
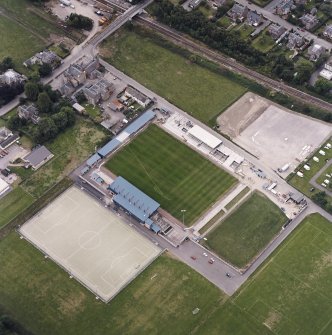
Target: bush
79	21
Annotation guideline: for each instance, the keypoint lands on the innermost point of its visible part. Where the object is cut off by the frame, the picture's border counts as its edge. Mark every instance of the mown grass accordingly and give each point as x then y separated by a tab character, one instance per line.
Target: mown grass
43	298
69	149
12	204
195	89
246	231
292	293
237	198
171	173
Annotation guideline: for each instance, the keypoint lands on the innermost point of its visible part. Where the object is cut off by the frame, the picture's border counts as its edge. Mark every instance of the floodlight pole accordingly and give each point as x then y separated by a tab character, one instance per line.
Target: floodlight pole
183	211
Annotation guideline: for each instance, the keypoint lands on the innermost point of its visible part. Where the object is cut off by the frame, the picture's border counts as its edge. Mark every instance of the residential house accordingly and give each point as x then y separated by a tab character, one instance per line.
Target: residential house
194	3
276	30
67	89
300	2
328	65
218	3
238	12
7	138
315	51
75	75
295	41
309	21
11	77
328	32
44	57
284	7
29	113
116	106
136	95
38	157
91	68
254	18
101	90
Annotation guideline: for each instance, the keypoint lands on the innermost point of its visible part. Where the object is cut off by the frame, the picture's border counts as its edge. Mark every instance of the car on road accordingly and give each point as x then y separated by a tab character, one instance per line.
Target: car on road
205	254
193	257
228	275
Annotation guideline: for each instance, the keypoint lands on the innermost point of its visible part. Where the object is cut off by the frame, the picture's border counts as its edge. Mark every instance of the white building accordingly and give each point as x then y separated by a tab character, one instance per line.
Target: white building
4	187
204	137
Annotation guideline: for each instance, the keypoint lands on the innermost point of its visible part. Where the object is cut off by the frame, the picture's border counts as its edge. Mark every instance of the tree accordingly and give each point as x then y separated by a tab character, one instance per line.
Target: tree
303	71
79	21
44	103
61	120
15	122
6	63
46	130
323	86
45	70
70	115
31	91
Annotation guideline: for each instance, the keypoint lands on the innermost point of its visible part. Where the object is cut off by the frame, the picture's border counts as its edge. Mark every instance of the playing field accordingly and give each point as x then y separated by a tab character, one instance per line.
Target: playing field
149	60
90	242
171	173
247	230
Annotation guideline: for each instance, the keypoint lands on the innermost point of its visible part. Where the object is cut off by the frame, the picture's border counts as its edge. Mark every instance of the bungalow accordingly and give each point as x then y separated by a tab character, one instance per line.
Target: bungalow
44	57
29	113
309	21
276	30
254	19
295	41
238	12
11	77
38	157
315	51
328	32
136	95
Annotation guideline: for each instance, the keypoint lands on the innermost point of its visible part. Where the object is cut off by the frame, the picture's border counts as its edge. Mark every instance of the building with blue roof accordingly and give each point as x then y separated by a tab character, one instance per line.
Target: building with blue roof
134	201
109	147
93	160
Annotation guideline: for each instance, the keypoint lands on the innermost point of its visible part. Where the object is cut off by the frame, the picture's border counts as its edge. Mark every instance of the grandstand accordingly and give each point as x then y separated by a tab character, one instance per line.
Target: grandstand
134	201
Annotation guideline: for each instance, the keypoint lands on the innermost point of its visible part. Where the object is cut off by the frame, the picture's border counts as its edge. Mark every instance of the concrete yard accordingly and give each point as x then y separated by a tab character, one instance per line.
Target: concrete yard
91	243
278	137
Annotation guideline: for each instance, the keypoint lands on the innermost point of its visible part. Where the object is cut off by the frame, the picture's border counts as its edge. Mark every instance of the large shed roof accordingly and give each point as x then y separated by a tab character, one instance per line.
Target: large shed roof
132	199
109	147
93	159
204	136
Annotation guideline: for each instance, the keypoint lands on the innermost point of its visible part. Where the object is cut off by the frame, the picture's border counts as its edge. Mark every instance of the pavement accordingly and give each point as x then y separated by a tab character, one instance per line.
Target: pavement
314	178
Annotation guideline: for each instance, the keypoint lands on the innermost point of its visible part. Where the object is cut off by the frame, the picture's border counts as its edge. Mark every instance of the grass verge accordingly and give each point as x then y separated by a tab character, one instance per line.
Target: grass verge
235	200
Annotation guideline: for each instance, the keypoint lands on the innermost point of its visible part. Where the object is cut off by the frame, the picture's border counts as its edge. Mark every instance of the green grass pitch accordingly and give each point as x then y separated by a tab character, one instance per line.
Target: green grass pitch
247	230
171	173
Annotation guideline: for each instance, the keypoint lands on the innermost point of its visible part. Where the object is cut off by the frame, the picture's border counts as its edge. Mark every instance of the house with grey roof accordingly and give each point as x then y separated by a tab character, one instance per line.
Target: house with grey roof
136	95
309	21
276	30
11	77
29	113
194	3
38	157
7	138
238	12
99	91
284	7
315	51
75	75
45	57
295	41
254	18
328	32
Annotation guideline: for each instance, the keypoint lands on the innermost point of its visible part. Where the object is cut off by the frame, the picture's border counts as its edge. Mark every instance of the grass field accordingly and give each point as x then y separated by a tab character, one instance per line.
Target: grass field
12	204
69	149
196	90
17	42
46	301
171	173
246	231
292	293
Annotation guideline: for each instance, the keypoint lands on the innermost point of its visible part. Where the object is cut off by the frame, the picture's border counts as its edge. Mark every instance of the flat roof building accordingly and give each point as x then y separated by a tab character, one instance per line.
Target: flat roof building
4	187
204	136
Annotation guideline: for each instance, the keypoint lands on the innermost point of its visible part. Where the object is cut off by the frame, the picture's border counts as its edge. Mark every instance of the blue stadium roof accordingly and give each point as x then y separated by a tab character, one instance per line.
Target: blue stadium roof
155	228
140	122
109	147
93	159
133	200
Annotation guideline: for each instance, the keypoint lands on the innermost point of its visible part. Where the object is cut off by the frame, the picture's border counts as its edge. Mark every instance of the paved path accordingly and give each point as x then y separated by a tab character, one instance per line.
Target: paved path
314	178
218	207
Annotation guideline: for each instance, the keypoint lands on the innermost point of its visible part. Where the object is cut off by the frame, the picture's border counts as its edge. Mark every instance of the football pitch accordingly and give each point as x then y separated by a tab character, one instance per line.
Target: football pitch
247	230
171	173
90	242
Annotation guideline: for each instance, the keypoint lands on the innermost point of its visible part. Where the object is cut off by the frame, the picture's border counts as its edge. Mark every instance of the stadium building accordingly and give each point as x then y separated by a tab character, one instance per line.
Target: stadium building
135	202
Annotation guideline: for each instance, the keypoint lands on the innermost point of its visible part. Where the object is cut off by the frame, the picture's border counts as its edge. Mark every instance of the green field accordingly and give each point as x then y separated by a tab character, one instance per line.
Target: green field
43	298
246	231
292	293
12	204
237	198
196	90
70	148
171	173
17	42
